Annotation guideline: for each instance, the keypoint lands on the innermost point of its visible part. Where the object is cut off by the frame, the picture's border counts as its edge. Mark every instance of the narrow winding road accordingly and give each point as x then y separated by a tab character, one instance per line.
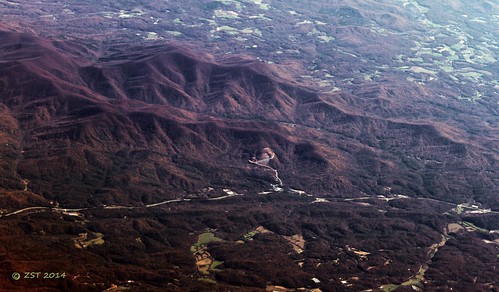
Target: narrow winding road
113	207
266	160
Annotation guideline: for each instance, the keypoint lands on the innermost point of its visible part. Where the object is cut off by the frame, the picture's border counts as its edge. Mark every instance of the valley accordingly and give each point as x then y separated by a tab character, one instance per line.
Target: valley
249	145
224	248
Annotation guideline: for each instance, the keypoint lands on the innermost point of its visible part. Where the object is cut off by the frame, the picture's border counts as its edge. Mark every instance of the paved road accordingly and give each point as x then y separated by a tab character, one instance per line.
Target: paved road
24	210
188	200
112	207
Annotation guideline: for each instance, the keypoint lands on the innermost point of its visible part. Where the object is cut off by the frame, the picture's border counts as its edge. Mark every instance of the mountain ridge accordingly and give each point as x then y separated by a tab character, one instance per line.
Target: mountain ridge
174	102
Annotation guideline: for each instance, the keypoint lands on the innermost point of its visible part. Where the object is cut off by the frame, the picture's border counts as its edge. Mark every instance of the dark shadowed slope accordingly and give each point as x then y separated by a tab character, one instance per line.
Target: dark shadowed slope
135	125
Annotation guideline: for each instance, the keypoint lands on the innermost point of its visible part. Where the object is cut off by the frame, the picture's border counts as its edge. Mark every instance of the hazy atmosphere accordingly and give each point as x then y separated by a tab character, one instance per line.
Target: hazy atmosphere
249	145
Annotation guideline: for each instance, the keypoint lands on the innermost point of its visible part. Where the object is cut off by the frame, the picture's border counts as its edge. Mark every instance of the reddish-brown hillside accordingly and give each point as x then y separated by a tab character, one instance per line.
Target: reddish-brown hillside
135	126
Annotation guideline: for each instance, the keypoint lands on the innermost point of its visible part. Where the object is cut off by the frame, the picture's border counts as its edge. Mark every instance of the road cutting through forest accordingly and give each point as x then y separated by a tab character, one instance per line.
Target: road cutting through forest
266	160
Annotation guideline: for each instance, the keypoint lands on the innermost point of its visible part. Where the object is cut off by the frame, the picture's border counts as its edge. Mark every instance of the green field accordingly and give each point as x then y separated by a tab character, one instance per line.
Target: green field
471	225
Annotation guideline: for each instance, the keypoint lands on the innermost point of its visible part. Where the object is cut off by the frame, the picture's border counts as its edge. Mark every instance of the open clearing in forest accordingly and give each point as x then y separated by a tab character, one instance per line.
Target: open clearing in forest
204	261
297	242
84	240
